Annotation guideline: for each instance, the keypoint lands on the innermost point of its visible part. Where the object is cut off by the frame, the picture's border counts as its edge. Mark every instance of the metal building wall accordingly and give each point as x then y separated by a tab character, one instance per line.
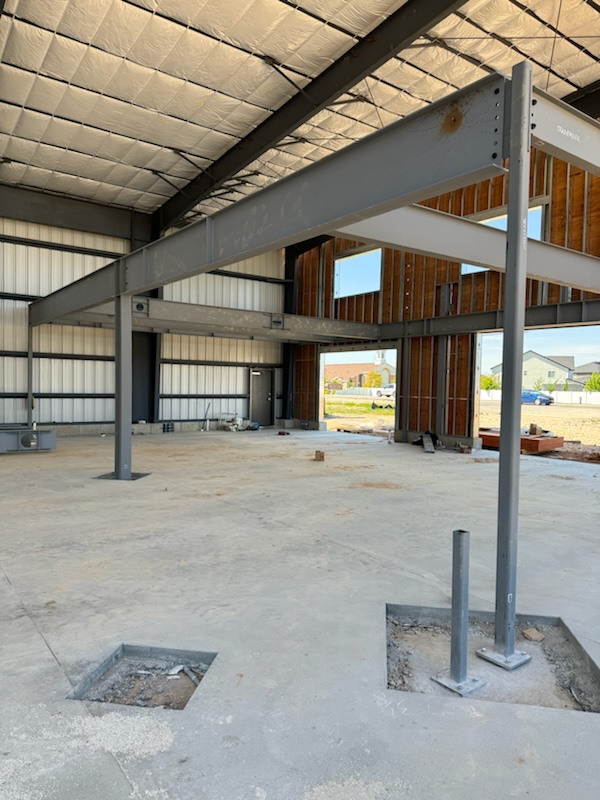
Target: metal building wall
73	368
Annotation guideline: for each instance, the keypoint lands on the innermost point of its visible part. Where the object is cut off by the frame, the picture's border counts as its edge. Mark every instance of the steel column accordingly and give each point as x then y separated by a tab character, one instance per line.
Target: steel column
29	376
123	388
504	653
458	681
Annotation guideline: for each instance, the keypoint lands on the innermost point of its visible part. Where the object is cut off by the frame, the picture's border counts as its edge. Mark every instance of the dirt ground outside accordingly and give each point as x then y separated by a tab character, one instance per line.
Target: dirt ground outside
575	423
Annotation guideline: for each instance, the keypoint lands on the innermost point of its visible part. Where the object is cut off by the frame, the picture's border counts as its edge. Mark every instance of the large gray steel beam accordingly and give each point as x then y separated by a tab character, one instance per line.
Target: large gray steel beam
418	229
42	208
559	129
395	33
171	317
448	144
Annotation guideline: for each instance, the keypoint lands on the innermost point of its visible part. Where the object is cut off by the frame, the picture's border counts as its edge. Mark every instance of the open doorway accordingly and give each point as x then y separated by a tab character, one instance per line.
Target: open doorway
557	384
358	389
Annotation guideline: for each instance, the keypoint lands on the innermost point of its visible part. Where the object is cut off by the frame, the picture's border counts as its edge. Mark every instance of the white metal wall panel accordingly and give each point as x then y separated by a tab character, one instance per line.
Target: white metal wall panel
13	325
207	348
46	233
13	374
218	290
13	411
72	339
66	376
78	409
268	265
192	408
197	379
36	271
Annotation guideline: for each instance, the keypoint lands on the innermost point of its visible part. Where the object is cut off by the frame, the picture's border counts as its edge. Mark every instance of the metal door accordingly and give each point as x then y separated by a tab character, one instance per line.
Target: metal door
261	396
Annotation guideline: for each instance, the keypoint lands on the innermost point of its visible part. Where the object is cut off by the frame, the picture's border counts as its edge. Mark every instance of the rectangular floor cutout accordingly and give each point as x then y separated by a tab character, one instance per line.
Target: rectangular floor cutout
561	674
149	677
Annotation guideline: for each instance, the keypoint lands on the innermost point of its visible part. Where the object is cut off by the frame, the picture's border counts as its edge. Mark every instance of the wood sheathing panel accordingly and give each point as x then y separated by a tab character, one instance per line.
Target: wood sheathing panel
412	286
305	392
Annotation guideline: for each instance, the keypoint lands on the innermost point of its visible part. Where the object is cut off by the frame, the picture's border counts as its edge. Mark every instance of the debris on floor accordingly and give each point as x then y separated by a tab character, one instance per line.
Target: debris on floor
533	635
319	455
148	683
558	675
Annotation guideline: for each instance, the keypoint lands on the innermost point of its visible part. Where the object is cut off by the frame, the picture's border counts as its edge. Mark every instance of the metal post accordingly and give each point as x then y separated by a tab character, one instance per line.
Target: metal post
30	377
460	605
123	386
504	653
458	681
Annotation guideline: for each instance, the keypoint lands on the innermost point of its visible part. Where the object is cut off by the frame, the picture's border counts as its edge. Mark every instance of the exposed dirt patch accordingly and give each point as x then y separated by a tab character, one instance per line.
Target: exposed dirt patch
485	460
148	683
375	485
575	452
558	676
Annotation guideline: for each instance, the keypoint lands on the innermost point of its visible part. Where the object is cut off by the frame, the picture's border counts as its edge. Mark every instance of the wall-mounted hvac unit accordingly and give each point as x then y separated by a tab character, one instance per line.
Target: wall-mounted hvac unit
24	440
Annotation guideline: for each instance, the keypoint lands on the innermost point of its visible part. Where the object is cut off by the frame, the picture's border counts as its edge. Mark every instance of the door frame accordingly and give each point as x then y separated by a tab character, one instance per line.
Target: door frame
271	370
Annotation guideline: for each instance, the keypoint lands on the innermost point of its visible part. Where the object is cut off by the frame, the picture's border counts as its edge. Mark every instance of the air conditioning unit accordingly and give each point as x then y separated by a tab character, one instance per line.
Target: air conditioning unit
25	440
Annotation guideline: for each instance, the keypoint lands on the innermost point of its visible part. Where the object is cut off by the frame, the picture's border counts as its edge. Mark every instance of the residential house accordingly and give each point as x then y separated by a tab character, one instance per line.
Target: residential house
356	374
547	370
584	372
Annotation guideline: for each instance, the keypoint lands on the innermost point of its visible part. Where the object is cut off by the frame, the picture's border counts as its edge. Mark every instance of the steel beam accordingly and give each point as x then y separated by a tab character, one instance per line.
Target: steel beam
333	334
418	229
586	100
446	145
394	34
559	129
165	316
123	388
42	208
504	653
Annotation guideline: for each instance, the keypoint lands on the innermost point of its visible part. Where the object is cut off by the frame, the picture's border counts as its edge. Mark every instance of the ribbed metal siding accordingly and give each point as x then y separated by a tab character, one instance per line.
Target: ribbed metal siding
37	271
74	409
13	325
46	233
206	348
73	340
216	290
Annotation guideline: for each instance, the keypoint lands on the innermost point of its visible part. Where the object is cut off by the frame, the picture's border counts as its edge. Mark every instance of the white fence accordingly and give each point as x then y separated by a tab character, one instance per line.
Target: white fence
569	398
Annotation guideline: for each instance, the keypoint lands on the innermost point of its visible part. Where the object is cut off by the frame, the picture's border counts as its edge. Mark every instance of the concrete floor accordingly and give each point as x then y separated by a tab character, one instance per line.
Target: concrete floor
244	545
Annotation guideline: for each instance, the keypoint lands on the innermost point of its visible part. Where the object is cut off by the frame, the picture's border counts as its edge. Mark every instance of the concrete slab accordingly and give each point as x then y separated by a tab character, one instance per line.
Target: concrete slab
242	544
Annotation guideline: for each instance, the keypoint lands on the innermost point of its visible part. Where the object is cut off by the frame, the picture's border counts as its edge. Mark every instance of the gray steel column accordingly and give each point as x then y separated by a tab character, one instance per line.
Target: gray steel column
30	377
458	681
123	387
504	653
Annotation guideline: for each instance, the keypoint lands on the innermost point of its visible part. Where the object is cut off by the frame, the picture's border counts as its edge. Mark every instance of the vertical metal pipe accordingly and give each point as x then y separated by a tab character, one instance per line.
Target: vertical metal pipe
29	377
512	367
460	606
123	386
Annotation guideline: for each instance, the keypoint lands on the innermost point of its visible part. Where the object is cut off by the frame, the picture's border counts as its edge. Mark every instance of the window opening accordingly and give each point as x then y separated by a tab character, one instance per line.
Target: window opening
535	220
359	273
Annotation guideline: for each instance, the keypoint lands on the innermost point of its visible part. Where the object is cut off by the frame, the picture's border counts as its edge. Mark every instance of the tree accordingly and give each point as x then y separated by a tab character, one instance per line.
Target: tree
373	379
593	383
551	387
489	382
350	383
566	386
539	385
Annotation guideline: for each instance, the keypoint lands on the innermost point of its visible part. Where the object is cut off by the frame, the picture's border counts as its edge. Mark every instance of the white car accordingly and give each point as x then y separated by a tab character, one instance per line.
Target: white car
389	390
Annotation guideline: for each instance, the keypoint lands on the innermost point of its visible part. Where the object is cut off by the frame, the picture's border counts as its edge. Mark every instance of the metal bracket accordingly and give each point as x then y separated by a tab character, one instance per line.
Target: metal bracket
517	659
